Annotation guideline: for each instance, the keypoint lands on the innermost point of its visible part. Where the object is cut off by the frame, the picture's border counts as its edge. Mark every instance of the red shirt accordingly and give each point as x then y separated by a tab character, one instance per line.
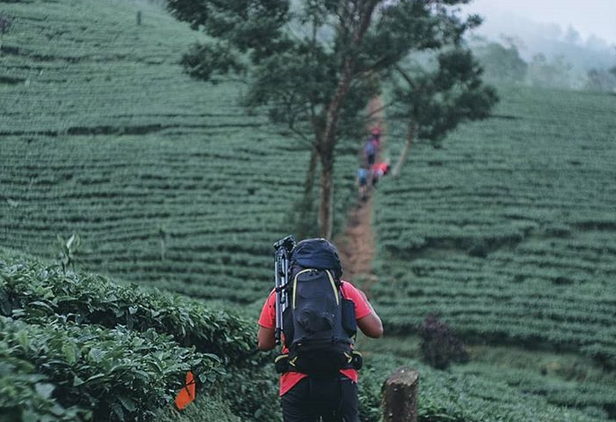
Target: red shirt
380	167
268	320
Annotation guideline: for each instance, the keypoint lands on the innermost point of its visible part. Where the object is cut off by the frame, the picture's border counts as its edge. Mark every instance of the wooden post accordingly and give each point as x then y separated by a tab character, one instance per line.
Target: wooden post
139	17
400	394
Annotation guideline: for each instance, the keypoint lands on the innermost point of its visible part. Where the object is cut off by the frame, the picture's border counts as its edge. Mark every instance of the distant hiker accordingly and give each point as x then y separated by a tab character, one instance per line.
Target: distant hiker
372	146
319	314
370	150
379	170
376	137
363	174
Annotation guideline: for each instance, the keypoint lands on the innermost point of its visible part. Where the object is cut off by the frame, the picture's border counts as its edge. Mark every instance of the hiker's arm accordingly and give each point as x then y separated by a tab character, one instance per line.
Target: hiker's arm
265	338
371	324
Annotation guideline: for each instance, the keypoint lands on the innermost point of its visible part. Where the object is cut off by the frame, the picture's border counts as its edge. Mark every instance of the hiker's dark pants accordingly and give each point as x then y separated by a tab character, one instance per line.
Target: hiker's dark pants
335	399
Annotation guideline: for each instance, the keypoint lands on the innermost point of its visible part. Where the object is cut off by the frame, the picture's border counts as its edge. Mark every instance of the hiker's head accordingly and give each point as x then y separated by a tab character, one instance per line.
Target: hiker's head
317	253
376	132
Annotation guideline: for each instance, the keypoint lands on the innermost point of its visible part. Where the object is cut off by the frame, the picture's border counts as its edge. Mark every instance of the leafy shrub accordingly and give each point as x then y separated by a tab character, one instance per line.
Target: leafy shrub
5	24
210	408
440	345
370	395
118	374
27	395
34	290
37	293
252	390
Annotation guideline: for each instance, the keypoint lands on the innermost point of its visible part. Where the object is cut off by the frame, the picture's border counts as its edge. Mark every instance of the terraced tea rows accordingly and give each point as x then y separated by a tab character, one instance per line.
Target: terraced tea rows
508	232
166	179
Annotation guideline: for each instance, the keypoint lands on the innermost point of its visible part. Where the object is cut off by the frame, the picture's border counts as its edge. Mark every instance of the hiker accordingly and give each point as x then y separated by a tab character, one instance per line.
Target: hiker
318	379
370	150
376	137
379	170
362	180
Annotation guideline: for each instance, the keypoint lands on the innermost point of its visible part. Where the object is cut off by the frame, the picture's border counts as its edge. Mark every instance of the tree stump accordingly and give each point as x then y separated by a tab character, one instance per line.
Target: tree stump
400	394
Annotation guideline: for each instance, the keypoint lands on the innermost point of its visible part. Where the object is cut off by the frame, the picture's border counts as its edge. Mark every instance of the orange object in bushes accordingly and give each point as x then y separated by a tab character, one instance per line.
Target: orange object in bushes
186	394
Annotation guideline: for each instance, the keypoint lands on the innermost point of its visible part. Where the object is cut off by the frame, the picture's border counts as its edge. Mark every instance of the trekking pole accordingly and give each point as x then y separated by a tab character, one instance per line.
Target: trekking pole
283	250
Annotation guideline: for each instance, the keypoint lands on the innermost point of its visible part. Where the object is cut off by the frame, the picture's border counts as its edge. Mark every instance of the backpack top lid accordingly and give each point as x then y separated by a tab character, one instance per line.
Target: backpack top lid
318	254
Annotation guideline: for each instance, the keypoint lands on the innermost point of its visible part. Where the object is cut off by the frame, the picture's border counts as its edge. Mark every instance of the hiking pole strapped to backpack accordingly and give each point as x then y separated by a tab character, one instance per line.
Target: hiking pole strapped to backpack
283	249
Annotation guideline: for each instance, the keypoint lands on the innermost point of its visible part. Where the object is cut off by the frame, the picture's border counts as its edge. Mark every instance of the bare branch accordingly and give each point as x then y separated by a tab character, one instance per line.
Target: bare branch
406	77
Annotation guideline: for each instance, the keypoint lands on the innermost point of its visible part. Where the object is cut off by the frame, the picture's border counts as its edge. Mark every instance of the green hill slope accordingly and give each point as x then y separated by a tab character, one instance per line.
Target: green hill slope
507	233
166	179
74	347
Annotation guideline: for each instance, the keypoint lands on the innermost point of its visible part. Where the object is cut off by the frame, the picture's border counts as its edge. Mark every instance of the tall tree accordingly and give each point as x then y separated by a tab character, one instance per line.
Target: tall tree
435	102
314	64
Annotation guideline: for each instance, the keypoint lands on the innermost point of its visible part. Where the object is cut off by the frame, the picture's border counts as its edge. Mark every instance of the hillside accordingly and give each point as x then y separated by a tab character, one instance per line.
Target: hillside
79	347
167	180
507	232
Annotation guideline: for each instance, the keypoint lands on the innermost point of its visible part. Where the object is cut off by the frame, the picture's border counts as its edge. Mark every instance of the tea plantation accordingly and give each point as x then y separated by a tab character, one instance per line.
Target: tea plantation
166	179
80	347
507	232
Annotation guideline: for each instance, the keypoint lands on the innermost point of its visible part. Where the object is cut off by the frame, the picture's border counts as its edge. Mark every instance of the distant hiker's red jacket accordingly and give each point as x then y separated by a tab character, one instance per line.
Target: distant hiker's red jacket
268	320
380	168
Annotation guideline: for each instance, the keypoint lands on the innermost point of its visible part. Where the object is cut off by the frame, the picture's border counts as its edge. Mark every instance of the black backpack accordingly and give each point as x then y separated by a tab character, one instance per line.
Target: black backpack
319	323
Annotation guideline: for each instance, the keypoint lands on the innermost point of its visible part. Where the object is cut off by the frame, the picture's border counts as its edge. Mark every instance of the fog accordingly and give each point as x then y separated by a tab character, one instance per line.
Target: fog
590	17
582	34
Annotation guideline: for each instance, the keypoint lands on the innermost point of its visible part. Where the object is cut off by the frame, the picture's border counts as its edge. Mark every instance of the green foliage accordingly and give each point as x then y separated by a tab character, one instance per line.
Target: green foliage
315	68
436	102
159	331
121	142
501	233
446	397
601	80
440	346
5	24
210	408
549	72
251	389
28	395
68	250
34	290
117	374
501	63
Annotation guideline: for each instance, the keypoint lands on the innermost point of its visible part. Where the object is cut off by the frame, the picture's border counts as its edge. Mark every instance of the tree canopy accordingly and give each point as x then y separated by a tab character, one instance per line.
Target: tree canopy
315	64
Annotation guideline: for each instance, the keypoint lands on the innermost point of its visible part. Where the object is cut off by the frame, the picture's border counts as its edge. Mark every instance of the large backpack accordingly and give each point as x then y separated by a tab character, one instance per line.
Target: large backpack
319	323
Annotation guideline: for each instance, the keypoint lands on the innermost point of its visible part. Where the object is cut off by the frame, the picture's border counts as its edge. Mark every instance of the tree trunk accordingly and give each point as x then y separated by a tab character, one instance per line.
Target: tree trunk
327	142
326	205
400	394
311	173
405	151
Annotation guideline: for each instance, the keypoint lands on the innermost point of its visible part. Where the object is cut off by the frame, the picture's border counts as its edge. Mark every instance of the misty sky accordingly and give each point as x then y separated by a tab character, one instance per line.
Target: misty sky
589	17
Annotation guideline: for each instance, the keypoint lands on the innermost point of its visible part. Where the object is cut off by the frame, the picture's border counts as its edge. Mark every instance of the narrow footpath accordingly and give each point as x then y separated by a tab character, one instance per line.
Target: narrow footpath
356	246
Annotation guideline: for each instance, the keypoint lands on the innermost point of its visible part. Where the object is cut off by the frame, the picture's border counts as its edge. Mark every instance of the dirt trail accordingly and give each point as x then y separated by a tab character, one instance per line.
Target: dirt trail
356	245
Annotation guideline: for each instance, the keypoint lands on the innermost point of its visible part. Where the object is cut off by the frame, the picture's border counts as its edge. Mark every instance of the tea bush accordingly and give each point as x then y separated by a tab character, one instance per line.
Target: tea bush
26	394
117	374
33	289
